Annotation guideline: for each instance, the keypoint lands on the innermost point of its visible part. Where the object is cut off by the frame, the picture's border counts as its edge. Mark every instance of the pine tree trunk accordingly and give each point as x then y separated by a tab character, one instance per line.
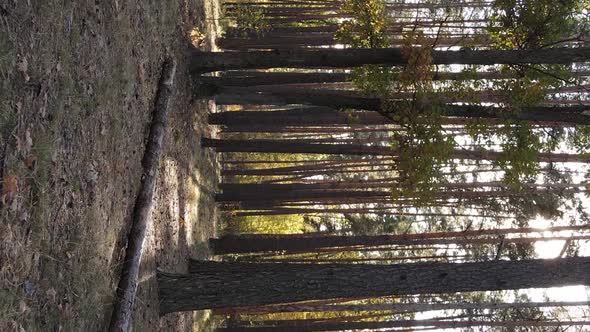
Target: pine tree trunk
222	285
440	324
259	78
310	116
343	58
329	103
284	146
393	307
298	243
253	78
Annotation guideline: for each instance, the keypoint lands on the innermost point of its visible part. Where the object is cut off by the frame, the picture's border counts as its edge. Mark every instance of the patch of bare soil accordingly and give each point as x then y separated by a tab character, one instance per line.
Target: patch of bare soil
77	83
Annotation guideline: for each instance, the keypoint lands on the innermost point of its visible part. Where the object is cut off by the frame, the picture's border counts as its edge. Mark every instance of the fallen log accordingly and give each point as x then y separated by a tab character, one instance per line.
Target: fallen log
126	289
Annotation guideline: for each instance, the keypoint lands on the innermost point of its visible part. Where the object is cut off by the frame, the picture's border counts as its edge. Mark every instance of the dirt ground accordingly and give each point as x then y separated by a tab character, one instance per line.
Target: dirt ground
77	83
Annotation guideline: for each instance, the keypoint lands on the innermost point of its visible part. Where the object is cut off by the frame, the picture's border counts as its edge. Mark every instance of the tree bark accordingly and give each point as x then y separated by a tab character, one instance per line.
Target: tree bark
253	78
317	116
203	62
125	295
440	324
298	243
326	112
222	285
261	78
294	41
393	307
278	146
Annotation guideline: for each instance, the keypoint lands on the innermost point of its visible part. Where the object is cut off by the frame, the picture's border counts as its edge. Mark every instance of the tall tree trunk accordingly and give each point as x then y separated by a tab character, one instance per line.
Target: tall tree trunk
274	42
262	78
326	112
294	41
278	146
297	243
257	200
253	78
316	116
253	188
461	241
222	285
202	62
392	307
440	324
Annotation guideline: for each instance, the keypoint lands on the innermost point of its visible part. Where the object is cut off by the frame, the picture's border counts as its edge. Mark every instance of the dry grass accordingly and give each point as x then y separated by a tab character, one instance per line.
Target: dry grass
77	80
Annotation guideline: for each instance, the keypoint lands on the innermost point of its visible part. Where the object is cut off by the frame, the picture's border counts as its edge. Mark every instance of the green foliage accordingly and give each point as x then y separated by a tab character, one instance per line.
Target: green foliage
466	88
579	139
366	28
529	87
546	205
478	130
249	21
532	24
523	92
363	224
374	78
520	25
514	251
520	147
422	145
519	251
532	84
552	138
288	224
266	160
423	148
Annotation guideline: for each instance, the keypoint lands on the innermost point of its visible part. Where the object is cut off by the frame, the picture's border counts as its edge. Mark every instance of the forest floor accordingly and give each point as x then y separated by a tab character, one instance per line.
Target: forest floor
77	86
